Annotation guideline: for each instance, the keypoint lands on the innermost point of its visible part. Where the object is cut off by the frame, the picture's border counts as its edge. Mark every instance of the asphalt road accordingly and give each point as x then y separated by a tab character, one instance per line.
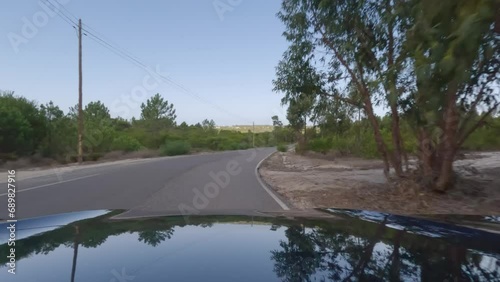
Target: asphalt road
218	183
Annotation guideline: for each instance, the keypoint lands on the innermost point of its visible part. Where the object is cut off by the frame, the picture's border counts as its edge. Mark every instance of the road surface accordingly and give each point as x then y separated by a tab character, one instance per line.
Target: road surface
218	183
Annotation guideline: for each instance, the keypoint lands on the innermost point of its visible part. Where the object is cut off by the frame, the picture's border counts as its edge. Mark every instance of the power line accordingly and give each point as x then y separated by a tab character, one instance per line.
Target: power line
59	13
90	29
114	51
65	14
97	38
67	11
63	17
124	54
142	65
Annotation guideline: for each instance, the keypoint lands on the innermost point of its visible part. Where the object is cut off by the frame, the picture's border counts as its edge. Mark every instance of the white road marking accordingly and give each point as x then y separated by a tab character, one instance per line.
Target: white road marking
282	205
50	184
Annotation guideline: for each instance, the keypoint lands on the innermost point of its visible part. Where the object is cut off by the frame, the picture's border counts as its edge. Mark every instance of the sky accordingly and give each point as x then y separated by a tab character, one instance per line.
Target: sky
219	56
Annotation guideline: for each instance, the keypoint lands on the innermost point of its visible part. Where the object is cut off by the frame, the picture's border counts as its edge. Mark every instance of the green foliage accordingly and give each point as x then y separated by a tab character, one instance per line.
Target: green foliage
15	131
28	129
174	148
282	147
125	143
486	137
322	145
157	108
22	126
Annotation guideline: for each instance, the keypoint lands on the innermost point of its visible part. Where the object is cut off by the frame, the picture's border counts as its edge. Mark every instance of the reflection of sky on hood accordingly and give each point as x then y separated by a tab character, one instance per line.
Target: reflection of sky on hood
418	226
29	227
192	254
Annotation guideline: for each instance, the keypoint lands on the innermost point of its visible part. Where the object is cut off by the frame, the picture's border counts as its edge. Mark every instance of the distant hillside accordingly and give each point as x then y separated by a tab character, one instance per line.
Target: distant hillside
246	128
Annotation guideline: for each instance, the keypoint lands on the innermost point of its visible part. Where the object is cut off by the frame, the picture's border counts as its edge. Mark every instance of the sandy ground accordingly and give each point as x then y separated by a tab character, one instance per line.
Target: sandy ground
318	181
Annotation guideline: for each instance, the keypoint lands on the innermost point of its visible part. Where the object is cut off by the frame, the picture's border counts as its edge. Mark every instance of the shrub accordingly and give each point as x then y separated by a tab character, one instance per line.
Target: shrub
321	145
174	148
282	147
126	144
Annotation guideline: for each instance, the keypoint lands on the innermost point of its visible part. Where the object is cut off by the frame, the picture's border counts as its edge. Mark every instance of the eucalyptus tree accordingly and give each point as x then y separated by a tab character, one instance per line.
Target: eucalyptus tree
433	63
341	46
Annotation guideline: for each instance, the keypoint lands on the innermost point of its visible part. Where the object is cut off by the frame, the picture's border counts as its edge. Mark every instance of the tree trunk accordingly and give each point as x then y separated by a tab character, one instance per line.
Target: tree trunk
393	95
427	157
395	269
359	269
382	148
448	142
396	140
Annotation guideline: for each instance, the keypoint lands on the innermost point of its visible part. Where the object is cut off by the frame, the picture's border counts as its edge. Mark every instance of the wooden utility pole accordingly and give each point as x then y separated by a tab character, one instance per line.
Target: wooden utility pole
80	110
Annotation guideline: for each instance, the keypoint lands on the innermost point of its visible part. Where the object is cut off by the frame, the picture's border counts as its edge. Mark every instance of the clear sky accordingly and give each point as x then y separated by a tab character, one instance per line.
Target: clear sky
221	54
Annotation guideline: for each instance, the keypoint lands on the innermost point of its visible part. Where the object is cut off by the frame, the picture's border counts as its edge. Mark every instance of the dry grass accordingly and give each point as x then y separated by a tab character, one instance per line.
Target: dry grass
120	155
35	161
143	154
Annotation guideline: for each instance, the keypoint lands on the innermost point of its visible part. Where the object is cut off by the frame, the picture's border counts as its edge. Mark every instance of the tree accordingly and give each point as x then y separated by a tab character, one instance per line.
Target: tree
299	109
22	125
277	122
208	125
155	237
98	132
96	111
60	132
157	108
121	124
15	132
298	258
360	44
456	58
425	60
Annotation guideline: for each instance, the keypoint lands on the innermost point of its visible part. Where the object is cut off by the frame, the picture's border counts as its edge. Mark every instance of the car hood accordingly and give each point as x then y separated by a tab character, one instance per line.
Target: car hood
325	245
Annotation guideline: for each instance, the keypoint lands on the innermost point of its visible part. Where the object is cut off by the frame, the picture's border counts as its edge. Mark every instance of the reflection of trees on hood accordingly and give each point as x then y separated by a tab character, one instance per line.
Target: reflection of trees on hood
376	252
94	232
155	237
299	258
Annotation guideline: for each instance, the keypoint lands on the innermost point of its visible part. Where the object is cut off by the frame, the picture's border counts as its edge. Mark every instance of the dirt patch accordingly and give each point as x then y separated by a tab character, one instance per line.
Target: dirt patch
313	181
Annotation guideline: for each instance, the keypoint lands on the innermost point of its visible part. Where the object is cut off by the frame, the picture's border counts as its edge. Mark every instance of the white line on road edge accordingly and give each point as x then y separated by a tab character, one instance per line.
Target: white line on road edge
50	184
283	205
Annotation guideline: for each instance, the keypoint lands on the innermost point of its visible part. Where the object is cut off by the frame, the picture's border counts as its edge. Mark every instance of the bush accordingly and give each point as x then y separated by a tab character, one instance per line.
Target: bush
321	145
282	148
175	148
126	144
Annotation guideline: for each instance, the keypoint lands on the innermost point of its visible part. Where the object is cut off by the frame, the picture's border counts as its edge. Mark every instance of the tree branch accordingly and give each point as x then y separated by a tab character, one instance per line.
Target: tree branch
342	99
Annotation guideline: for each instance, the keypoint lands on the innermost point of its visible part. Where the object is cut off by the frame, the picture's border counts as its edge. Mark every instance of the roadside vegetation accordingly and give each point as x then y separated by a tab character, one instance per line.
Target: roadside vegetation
32	134
434	66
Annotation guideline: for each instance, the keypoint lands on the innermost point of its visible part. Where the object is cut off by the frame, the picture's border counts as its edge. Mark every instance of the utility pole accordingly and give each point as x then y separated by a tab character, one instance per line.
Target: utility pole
253	134
80	110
